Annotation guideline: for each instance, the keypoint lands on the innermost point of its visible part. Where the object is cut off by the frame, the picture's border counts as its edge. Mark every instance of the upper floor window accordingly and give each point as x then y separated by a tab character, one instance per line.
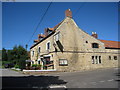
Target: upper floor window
95	45
39	50
32	53
48	45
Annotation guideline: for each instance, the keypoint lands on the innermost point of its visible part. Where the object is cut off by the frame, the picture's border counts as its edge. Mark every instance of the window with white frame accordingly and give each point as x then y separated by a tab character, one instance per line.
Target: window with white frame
96	60
32	62
39	62
57	36
32	53
100	59
47	45
63	62
92	59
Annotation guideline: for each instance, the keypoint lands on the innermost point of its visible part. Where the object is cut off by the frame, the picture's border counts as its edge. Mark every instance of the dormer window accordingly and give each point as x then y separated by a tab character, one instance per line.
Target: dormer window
49	32
95	45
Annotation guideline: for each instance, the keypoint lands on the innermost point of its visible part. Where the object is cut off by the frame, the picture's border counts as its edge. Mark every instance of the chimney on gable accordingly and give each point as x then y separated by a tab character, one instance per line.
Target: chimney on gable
94	34
46	31
68	13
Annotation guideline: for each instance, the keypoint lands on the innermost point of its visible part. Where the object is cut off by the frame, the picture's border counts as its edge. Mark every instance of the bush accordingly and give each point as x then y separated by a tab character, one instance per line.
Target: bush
16	66
34	65
39	65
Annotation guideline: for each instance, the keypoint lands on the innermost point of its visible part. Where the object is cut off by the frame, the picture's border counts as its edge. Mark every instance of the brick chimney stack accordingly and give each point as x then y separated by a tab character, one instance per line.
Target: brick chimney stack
46	32
94	34
68	13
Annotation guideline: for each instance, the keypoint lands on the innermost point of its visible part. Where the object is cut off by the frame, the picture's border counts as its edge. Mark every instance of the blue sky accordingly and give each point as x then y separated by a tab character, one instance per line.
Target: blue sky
21	18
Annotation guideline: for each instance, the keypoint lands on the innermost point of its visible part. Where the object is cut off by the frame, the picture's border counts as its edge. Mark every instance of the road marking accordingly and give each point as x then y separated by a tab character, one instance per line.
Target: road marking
57	86
110	80
34	87
101	81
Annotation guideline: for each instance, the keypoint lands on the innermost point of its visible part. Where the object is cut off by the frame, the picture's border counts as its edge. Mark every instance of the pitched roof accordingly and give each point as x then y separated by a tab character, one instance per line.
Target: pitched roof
41	35
52	29
111	44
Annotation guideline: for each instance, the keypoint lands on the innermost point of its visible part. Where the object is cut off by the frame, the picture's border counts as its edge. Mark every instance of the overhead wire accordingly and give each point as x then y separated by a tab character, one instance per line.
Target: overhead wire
79	8
39	23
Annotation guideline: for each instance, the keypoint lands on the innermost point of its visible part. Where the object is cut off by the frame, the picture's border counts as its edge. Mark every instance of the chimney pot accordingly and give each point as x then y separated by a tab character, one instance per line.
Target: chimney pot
94	34
68	13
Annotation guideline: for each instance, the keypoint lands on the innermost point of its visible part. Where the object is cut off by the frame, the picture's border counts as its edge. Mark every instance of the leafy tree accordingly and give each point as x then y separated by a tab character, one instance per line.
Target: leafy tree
20	54
17	55
10	55
4	55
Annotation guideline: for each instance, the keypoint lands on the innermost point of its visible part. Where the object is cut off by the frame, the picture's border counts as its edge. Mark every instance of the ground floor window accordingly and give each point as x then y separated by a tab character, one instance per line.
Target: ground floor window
99	59
96	59
32	62
115	57
110	58
63	62
92	59
38	62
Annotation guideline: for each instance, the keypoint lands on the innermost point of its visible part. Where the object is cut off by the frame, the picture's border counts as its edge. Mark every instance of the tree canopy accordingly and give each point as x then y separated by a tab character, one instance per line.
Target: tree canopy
17	55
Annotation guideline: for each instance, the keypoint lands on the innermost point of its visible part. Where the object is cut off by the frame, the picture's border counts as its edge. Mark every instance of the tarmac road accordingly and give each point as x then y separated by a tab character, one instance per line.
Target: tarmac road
102	78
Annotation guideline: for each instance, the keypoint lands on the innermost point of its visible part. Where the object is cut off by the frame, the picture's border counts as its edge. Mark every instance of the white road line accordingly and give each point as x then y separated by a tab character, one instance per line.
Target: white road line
57	86
110	80
101	81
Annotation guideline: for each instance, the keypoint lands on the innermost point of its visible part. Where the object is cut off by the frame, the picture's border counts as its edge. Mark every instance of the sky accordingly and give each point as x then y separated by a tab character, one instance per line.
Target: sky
19	19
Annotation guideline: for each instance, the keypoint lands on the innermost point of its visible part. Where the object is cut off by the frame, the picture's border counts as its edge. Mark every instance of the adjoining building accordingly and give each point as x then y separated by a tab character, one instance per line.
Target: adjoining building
66	47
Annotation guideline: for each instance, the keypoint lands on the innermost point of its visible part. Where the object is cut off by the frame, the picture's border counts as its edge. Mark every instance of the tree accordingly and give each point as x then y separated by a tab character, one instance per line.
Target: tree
18	55
4	55
10	55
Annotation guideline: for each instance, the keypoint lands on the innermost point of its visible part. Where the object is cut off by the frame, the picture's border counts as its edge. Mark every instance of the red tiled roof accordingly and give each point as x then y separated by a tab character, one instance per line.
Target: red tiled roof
51	29
41	35
44	36
57	25
36	40
111	44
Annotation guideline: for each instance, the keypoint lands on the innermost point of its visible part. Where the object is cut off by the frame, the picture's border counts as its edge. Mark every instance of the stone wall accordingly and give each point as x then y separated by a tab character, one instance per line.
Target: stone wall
77	49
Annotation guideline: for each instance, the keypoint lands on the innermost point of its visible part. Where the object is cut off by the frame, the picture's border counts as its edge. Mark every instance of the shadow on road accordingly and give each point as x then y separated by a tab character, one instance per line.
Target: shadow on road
118	76
31	81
